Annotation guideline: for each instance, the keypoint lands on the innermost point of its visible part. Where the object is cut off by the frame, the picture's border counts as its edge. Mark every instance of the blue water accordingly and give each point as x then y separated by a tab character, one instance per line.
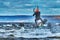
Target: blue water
15	17
29	18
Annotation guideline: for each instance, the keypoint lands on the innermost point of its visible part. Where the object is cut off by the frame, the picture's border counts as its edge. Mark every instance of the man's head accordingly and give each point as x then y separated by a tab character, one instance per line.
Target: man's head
36	9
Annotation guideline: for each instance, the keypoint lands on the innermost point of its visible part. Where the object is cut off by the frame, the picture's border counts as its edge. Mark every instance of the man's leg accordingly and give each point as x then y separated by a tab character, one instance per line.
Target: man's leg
36	23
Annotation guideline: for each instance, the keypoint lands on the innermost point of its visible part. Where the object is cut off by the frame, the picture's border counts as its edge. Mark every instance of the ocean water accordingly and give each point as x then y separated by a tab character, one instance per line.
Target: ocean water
29	38
20	18
27	18
39	33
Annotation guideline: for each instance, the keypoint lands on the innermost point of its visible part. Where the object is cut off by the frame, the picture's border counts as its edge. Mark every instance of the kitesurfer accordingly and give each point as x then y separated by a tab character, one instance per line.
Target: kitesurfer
37	15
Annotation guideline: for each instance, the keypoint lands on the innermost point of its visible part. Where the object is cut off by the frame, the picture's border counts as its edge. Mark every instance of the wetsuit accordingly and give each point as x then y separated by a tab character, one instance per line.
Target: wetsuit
37	17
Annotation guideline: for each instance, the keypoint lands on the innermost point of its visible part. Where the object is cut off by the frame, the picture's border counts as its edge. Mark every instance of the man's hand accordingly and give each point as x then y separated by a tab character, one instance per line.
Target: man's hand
33	14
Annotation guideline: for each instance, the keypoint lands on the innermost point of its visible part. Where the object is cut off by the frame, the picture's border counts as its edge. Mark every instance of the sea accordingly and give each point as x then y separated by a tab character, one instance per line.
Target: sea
29	18
53	19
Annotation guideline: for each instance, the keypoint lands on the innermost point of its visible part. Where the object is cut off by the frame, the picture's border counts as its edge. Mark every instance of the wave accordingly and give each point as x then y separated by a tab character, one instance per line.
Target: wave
26	18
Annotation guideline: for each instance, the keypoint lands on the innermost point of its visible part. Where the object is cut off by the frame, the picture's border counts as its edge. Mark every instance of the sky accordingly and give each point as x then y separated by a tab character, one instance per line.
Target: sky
25	7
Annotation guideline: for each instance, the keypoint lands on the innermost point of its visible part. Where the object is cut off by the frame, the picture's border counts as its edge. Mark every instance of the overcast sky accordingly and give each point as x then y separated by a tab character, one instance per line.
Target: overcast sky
25	7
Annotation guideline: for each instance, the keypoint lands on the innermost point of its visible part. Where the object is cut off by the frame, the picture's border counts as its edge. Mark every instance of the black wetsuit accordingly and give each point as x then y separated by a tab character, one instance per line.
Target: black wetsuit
37	17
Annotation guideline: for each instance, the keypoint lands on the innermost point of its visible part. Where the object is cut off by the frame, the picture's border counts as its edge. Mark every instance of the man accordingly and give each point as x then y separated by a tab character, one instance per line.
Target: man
37	15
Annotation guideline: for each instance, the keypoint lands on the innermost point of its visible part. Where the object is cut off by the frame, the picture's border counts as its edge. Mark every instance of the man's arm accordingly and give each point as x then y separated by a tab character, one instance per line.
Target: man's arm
33	14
